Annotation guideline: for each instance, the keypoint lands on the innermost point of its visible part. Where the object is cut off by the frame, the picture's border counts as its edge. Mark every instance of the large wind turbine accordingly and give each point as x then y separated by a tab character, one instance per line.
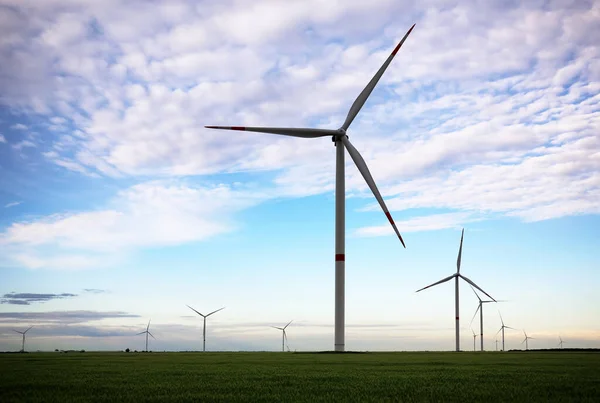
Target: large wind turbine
340	139
23	333
561	342
502	330
204	326
525	340
480	309
284	336
147	332
456	276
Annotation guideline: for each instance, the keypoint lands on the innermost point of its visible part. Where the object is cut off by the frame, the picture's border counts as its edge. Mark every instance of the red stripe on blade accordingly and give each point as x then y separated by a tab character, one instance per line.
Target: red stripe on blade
340	258
238	128
400	44
389	216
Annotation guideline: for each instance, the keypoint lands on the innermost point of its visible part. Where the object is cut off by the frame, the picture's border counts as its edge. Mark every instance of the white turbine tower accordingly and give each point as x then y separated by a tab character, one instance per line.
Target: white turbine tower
526	340
480	310
340	139
204	325
23	333
502	330
284	335
456	276
474	337
561	342
496	344
147	332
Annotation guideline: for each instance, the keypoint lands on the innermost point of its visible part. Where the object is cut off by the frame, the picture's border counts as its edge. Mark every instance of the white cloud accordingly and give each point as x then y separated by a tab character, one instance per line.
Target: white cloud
24	144
510	91
425	223
12	204
2	139
19	126
145	215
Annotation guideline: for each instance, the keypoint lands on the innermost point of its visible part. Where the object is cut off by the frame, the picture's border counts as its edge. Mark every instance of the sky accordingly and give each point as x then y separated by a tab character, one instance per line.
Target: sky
117	206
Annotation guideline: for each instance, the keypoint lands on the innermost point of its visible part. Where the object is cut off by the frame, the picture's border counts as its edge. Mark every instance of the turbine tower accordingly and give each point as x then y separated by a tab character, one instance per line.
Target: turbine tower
561	342
496	344
284	336
23	333
147	332
526	340
502	329
204	325
480	309
474	337
340	139
456	276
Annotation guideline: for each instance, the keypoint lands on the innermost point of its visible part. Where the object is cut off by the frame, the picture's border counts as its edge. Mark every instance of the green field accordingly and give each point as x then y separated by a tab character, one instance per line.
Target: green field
419	376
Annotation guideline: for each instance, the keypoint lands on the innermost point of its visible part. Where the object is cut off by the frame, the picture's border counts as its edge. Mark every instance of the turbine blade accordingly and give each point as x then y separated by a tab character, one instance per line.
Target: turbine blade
148	327
477	295
27	329
152	335
460	252
475	314
208	314
498	331
288	324
475	285
364	95
508	327
285	131
364	170
17	331
501	318
278	328
438	282
195	311
137	334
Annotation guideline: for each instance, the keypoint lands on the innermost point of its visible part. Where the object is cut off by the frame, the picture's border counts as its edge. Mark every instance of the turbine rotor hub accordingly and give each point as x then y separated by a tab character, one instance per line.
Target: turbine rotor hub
341	132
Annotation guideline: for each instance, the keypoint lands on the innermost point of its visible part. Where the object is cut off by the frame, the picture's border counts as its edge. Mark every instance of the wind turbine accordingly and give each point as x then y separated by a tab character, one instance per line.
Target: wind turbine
284	336
474	337
204	325
496	344
456	276
525	340
480	309
340	139
561	342
147	332
502	329
23	333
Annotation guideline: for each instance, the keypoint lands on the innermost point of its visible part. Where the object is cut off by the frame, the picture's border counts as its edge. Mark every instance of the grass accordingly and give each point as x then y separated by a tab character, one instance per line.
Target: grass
379	377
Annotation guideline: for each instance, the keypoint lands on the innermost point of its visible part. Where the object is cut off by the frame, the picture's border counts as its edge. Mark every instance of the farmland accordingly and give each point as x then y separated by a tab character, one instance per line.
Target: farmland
405	376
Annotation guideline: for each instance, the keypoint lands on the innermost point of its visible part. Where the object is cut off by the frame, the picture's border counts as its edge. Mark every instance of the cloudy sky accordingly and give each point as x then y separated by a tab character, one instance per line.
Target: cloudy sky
117	206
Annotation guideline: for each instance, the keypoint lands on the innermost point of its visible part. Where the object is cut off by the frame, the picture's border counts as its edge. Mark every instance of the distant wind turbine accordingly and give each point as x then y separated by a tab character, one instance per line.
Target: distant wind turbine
496	344
474	337
502	330
480	309
341	142
561	342
284	335
147	332
204	325
23	333
526	339
456	276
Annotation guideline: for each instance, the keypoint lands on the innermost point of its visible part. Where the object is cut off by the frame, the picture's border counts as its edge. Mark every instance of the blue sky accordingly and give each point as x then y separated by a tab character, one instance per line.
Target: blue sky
118	206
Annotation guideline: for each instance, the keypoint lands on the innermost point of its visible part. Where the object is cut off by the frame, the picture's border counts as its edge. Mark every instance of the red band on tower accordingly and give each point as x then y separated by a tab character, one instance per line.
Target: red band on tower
340	258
